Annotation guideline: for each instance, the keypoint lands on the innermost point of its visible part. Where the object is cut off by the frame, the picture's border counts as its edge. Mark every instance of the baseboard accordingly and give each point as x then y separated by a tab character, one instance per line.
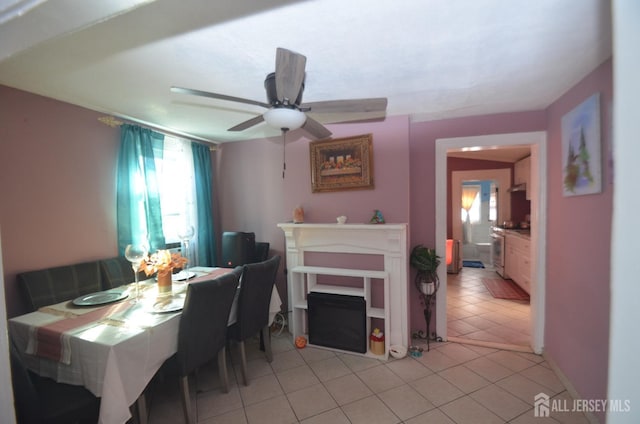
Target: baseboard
493	345
572	390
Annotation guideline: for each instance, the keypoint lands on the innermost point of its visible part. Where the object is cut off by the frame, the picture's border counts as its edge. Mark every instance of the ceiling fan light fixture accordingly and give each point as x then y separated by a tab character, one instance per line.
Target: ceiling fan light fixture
285	118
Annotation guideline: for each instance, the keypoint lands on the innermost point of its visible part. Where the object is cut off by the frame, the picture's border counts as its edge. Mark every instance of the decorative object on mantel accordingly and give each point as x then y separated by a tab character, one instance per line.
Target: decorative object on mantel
298	215
342	164
377	218
341	219
426	261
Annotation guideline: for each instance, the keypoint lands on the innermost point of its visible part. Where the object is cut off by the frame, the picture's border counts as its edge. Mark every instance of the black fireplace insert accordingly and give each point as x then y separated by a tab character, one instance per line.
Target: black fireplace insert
337	321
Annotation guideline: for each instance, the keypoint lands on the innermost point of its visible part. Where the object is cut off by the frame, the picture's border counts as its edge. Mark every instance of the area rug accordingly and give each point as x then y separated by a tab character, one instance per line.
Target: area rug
473	264
504	289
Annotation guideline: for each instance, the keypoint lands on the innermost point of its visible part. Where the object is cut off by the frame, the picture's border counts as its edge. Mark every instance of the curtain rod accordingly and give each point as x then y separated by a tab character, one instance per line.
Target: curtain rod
114	122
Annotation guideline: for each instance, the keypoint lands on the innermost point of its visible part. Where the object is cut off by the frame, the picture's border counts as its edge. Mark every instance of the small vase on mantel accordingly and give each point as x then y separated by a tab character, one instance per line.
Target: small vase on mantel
298	215
164	283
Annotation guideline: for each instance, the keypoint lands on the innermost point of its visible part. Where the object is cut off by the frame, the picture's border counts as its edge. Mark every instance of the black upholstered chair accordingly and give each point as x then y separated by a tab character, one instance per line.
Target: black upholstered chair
261	251
40	400
256	286
117	272
53	285
202	333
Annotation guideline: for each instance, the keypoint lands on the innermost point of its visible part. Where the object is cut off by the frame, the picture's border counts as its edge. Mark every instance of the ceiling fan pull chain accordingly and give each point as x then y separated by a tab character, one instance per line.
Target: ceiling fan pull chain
284	162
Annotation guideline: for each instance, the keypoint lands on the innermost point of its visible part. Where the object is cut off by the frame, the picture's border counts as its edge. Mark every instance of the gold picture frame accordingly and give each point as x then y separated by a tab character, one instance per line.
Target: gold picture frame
342	164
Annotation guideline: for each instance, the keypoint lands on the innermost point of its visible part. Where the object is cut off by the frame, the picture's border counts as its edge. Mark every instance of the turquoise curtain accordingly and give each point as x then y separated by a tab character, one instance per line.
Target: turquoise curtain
138	199
204	193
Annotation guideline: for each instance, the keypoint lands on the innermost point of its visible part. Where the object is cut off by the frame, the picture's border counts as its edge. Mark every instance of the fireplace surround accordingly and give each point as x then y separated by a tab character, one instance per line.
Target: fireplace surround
386	240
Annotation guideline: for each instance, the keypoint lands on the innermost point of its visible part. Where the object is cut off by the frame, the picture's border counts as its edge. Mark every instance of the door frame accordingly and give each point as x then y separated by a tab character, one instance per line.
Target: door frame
538	186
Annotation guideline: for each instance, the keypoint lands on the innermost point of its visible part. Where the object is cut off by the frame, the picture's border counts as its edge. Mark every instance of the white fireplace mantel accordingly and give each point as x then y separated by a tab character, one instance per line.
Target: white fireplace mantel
387	240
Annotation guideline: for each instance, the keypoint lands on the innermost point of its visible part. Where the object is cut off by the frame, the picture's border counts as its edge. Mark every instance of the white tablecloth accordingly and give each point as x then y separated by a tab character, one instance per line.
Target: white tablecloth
114	359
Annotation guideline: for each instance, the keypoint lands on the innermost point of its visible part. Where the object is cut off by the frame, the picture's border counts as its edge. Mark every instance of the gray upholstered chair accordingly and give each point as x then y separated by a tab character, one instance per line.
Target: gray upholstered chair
53	285
256	286
202	333
40	400
261	251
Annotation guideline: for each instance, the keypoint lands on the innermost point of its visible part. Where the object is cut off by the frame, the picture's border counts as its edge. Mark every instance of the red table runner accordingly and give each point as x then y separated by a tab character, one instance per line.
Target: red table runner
49	341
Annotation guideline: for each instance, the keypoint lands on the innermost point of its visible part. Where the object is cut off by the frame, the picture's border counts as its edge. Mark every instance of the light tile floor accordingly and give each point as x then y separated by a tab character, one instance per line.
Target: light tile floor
451	384
474	314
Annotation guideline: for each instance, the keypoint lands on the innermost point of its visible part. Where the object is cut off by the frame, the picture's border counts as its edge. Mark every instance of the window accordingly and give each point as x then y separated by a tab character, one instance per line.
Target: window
174	166
470	203
157	193
493	203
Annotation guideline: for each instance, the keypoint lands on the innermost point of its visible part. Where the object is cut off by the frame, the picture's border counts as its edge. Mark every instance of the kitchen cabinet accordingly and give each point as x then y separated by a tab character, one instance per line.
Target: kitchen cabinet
518	259
522	174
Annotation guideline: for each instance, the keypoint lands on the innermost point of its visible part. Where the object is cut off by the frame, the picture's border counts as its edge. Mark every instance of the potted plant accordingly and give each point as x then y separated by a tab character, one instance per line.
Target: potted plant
425	261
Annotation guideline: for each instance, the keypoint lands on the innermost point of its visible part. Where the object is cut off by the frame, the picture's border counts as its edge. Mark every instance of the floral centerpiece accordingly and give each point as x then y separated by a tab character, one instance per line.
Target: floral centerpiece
162	263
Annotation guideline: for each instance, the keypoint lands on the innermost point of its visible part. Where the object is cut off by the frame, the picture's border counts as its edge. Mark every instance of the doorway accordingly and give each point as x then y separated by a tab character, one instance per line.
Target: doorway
480	200
537	143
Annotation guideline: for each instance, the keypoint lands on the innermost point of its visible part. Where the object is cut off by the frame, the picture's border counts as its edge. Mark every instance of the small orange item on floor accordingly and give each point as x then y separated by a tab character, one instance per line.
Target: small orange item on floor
300	342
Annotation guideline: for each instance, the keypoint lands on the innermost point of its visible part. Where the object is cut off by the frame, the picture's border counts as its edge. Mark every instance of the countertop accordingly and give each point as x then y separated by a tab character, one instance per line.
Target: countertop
519	233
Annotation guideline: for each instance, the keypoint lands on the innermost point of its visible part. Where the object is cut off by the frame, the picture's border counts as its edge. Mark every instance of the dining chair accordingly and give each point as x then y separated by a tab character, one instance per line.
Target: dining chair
256	286
261	252
53	285
40	400
202	333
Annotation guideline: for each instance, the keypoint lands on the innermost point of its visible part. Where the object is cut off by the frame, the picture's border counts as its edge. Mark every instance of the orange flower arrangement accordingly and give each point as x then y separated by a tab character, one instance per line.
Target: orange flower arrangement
162	262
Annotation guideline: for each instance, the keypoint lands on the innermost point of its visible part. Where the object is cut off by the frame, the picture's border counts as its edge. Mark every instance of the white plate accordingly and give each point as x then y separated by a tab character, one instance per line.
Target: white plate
182	275
100	298
161	306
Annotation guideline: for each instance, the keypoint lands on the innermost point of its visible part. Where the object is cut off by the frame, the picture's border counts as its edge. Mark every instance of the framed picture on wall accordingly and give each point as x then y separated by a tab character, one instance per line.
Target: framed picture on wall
342	164
581	149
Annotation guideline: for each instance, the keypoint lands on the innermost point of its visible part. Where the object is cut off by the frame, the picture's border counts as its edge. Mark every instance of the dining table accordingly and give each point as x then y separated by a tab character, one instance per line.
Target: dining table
111	342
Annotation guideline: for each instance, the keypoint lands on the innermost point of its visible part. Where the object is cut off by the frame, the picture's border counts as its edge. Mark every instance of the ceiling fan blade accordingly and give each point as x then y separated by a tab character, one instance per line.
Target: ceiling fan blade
316	129
289	74
347	106
218	96
247	124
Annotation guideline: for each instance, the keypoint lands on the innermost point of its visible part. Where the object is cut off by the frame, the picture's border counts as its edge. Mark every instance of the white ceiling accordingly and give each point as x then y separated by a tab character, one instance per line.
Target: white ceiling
432	59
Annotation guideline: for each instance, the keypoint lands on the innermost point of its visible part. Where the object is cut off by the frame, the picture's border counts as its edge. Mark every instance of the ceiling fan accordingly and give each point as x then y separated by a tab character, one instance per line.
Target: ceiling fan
284	89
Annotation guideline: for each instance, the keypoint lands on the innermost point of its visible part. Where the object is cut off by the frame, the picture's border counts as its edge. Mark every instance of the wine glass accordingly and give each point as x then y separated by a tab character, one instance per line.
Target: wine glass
135	253
185	234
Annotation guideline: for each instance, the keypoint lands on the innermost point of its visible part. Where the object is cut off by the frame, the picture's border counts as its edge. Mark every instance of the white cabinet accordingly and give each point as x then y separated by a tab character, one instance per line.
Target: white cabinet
517	259
304	279
522	174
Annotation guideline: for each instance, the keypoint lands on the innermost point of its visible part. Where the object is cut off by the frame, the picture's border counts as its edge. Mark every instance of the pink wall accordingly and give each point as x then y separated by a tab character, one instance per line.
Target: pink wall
254	196
423	136
578	249
391	192
460	164
57	169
